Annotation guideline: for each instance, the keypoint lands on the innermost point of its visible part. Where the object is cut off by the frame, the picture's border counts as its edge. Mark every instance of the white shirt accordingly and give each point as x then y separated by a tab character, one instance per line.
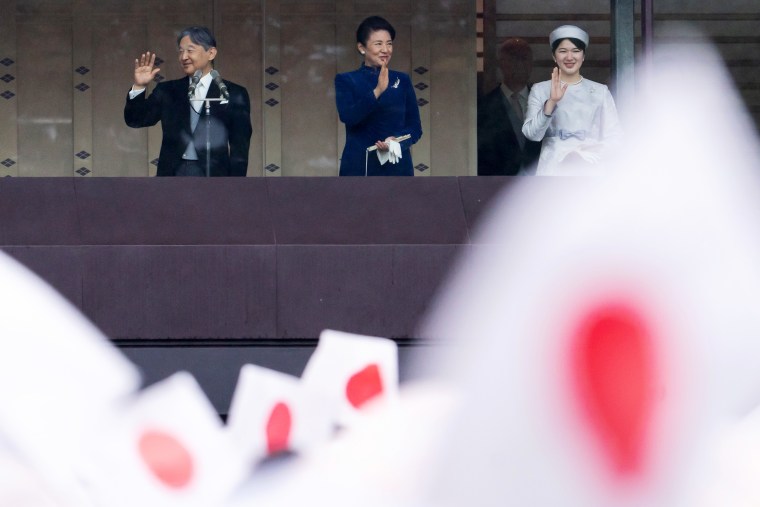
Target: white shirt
201	90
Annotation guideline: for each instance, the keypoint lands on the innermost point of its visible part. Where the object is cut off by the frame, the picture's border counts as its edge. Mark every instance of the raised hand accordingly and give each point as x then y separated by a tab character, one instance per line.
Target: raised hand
145	70
558	87
557	92
382	80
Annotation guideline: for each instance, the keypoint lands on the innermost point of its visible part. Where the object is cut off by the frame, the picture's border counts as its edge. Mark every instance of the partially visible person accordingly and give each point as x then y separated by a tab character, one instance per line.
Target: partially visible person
377	105
183	122
502	147
575	117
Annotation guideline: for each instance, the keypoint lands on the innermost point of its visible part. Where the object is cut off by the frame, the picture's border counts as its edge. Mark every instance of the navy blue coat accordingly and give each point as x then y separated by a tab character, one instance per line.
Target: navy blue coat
369	119
230	126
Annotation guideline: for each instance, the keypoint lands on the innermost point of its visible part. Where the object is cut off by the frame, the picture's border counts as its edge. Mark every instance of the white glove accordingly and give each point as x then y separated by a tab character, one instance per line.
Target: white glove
393	155
395	151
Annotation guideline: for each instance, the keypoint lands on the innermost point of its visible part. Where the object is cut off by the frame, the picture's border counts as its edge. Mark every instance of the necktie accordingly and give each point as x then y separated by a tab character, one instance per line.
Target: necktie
195	108
518	118
517	106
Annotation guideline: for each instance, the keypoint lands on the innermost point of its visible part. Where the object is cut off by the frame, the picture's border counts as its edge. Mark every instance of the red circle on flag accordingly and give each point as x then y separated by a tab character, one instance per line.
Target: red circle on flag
364	385
612	363
278	428
167	459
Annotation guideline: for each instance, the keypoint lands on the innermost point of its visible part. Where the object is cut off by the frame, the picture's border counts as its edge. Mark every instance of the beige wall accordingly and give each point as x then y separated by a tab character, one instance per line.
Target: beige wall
68	64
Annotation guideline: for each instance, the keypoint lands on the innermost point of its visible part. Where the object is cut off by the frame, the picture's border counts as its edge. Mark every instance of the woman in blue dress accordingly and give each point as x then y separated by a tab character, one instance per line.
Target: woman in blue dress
377	106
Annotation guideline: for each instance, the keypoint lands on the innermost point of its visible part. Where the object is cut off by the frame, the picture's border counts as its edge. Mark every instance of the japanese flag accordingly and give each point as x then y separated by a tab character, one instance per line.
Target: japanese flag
272	412
353	371
379	461
167	447
605	329
59	377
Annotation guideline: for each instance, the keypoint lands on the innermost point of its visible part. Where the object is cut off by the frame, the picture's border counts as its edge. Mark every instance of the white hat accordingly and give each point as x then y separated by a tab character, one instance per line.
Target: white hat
565	31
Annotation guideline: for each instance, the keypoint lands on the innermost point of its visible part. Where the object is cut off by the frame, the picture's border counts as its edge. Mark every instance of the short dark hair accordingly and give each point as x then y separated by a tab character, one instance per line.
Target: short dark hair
578	43
373	24
198	35
516	48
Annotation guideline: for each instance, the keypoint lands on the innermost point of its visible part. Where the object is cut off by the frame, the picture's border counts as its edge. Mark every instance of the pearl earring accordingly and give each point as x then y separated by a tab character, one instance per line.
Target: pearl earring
362	52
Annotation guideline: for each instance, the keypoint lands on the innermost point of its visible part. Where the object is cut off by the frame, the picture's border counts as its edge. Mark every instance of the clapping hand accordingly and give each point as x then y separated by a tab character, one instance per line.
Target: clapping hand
145	70
382	80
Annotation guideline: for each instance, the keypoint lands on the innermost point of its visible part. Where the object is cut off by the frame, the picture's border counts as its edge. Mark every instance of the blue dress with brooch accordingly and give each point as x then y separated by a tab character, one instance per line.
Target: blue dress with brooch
369	119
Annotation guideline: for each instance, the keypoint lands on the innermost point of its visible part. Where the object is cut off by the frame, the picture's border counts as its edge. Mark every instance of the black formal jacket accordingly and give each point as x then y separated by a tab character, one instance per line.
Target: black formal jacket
499	151
230	126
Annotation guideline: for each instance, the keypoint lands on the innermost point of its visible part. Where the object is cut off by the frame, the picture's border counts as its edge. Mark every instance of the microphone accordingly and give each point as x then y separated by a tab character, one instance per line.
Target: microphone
222	87
194	84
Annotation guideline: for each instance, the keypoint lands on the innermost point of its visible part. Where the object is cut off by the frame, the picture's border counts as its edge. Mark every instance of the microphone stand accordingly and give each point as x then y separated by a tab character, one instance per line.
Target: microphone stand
208	129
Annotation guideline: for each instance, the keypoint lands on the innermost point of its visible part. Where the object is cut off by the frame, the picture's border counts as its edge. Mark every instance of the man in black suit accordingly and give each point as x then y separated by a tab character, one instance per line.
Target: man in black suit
502	148
184	122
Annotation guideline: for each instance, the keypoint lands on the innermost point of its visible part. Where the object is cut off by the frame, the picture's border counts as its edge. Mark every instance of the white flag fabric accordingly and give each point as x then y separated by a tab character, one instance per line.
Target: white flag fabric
353	371
59	376
731	476
21	485
272	412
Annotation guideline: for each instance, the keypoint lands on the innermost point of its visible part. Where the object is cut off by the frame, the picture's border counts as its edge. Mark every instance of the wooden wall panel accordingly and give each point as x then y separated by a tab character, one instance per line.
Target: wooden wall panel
308	96
347	58
421	72
118	37
8	92
453	88
81	72
272	99
44	50
392	10
238	27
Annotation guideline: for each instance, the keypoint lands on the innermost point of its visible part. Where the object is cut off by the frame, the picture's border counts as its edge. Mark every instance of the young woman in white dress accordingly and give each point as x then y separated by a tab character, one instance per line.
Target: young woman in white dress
575	117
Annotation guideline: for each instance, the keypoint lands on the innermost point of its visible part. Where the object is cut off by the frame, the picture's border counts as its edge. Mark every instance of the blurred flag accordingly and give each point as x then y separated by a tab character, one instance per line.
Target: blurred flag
353	371
731	478
379	461
605	329
21	485
272	412
59	377
167	447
